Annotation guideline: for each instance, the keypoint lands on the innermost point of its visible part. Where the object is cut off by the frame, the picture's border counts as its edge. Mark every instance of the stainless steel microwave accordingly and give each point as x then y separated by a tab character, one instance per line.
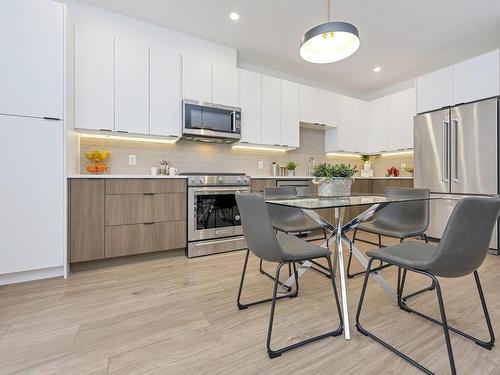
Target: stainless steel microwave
209	122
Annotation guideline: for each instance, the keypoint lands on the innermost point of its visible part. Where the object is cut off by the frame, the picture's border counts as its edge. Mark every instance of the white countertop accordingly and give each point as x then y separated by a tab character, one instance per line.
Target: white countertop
121	176
253	177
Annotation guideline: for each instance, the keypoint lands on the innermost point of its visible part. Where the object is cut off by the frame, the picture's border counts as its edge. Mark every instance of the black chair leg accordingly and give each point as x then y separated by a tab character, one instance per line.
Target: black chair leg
242	306
276	353
262	271
444	322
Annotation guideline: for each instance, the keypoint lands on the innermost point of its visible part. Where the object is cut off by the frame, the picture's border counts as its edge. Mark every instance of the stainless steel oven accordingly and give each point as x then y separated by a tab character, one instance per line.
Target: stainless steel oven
214	223
210	122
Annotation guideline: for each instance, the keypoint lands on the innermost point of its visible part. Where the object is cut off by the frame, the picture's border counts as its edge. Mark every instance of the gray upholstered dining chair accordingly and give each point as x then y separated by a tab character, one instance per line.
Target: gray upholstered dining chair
461	252
282	249
397	220
291	220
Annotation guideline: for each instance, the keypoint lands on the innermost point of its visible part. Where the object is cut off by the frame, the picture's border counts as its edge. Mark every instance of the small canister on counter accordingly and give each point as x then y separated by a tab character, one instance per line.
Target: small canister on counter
275	169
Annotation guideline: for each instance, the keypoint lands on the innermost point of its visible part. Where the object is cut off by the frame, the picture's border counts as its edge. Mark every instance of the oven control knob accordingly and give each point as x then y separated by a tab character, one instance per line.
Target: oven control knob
192	180
239	179
202	180
246	179
220	180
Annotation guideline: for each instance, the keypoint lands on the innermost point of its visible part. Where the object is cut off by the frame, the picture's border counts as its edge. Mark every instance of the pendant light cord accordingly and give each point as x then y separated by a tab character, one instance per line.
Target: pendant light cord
328	11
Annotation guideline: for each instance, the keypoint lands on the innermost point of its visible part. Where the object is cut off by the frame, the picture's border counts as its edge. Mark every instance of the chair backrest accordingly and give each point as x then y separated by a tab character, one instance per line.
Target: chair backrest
467	237
282	213
257	227
413	215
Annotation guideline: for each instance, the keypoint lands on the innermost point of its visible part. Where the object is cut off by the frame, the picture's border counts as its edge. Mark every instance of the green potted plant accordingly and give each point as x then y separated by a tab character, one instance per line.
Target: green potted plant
334	180
290	166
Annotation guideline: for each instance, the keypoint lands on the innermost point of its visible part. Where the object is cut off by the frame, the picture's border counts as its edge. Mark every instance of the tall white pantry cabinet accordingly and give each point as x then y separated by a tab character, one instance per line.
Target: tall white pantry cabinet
32	140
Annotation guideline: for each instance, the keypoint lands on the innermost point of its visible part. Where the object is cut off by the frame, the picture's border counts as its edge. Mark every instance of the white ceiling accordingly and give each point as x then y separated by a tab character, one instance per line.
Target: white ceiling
404	37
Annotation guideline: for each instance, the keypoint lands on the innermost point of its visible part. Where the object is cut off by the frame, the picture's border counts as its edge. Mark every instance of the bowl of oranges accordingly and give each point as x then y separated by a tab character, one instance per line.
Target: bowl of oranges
97	159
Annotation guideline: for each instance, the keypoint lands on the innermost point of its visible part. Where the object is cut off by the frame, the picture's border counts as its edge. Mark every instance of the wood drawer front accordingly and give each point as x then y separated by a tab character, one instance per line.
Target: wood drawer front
140	186
144	238
142	208
86	219
258	186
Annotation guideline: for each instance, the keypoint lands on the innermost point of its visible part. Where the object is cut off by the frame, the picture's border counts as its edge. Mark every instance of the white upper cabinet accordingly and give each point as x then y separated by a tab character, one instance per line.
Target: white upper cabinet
435	90
165	92
410	104
396	110
328	108
318	106
197	79
250	101
32	62
290	128
346	126
94	80
271	112
362	126
224	84
379	120
309	108
476	78
131	86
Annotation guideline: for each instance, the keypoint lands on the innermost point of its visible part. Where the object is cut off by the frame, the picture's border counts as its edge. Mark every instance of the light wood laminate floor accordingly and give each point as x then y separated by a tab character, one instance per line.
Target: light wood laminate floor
179	316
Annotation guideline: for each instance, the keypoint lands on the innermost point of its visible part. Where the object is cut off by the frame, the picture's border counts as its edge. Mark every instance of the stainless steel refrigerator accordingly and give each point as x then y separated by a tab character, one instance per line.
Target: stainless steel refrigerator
456	155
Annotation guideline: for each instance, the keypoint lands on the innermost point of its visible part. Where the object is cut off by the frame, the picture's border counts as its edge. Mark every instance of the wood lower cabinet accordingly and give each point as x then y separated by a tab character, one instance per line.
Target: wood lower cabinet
119	217
86	219
144	238
258	185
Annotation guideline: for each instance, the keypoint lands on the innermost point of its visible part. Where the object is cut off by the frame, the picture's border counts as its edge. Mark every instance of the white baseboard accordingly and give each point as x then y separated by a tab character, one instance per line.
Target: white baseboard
21	277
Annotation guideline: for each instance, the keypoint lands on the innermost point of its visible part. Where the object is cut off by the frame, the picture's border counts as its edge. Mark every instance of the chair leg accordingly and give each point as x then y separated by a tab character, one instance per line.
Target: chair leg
262	271
242	306
276	353
351	275
444	323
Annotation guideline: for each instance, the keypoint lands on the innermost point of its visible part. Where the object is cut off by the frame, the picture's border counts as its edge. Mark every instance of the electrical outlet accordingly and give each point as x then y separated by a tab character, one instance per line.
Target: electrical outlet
260	164
403	165
132	160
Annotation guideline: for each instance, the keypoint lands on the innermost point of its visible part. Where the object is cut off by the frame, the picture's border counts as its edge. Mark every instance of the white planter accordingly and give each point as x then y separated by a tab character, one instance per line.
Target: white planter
334	187
291	172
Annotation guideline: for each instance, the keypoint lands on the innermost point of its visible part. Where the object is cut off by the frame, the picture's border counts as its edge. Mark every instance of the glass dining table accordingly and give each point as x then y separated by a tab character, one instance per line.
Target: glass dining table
338	230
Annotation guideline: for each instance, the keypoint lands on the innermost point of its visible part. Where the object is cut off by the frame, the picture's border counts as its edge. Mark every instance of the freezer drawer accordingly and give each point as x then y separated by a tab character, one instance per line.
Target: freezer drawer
440	211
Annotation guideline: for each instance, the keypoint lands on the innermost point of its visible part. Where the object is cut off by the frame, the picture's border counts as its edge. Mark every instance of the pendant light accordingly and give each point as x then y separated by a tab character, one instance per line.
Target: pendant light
330	41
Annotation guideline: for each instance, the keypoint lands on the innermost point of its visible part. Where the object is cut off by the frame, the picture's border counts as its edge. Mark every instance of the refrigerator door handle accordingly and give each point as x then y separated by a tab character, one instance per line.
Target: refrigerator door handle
455	146
444	151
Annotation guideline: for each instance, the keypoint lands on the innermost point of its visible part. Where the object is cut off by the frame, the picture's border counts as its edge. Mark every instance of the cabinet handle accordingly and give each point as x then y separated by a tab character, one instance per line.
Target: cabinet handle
149	193
52	118
105	130
122	131
151	223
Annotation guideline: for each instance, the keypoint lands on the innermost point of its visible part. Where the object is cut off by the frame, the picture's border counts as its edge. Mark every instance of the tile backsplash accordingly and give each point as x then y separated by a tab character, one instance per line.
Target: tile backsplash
196	156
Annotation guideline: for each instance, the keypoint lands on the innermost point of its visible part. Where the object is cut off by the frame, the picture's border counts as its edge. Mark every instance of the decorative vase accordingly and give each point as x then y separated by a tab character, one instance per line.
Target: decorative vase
291	172
334	187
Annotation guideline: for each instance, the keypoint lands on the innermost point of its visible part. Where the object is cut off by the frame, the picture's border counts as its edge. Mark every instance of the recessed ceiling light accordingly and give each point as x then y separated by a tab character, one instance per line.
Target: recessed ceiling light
234	16
377	69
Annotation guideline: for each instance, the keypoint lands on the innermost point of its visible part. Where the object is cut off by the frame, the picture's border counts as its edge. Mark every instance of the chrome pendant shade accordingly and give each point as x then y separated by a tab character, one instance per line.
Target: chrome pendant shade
329	42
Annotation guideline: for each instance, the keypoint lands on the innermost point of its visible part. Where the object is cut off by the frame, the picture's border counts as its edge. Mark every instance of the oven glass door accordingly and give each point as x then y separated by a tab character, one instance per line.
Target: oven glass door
214	213
207	118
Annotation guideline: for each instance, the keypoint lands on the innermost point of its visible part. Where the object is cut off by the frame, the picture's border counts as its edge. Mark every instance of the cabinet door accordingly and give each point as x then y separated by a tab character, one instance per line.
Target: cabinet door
378	129
94	80
131	86
396	132
346	125
32	201
196	79
309	106
328	108
362	126
224	84
477	78
32	62
165	93
410	112
86	219
435	90
271	116
249	98
290	127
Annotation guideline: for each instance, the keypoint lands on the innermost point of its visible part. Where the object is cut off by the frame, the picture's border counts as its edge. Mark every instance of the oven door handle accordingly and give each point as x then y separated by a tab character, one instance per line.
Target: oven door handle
222	190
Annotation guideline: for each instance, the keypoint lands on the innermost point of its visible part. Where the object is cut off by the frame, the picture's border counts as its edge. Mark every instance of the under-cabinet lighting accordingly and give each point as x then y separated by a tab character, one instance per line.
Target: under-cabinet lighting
342	154
260	148
126	138
398	153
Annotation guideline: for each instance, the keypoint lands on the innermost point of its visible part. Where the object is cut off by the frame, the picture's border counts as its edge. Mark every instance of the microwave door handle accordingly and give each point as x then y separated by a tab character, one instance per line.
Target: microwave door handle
233	122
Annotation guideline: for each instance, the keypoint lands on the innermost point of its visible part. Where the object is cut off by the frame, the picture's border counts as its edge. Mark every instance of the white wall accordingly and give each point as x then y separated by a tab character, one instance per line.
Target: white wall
109	23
